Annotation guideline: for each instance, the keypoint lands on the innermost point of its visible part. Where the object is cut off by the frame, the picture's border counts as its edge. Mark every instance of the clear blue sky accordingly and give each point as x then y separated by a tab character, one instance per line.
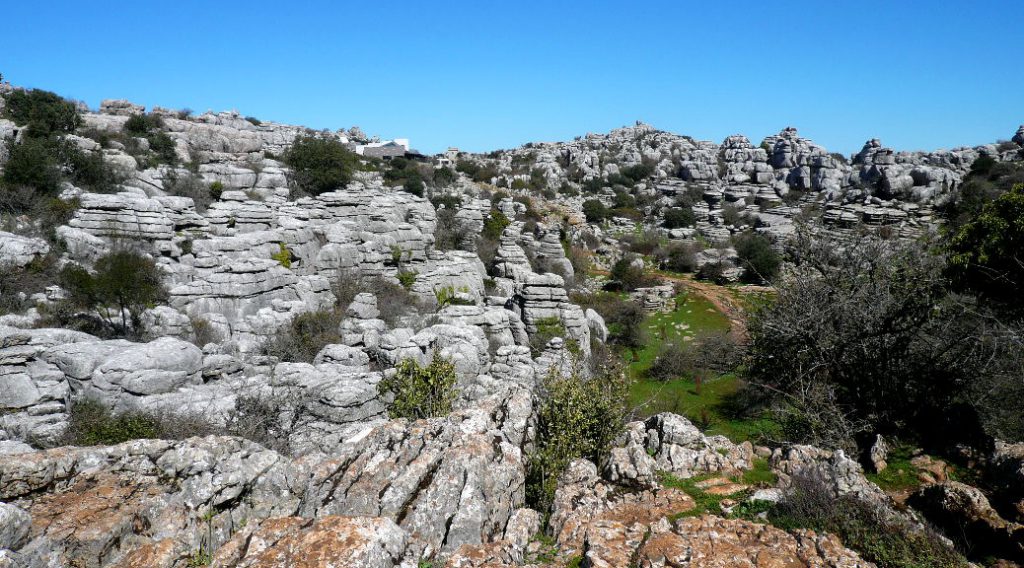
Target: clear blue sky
484	75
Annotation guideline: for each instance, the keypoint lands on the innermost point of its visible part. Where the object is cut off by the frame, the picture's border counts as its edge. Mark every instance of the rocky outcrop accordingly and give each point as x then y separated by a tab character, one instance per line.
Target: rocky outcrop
18	251
964	513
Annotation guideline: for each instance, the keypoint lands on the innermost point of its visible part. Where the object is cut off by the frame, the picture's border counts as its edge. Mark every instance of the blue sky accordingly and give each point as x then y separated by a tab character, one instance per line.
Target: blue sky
486	75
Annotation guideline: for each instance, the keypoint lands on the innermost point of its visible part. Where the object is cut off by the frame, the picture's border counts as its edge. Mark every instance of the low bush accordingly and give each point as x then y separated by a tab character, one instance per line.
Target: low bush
679	256
576	418
885	539
547	329
92	423
123	284
304	337
623	317
42	113
320	163
394	301
630	276
759	261
678	217
595	211
707	355
494	224
142	124
450	233
420	392
189	185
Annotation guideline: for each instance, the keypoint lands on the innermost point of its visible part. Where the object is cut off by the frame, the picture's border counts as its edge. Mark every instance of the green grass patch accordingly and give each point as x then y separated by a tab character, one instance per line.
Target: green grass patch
710	408
760	475
704	503
693	315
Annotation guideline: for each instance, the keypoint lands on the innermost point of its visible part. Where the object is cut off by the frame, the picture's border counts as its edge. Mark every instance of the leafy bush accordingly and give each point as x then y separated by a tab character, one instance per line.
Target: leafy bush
885	539
142	124
254	121
189	185
638	172
92	423
494	224
679	257
576	418
420	392
33	165
394	301
629	276
163	148
758	259
624	318
320	163
42	112
985	251
677	217
443	177
123	284
595	211
306	335
867	338
283	256
450	233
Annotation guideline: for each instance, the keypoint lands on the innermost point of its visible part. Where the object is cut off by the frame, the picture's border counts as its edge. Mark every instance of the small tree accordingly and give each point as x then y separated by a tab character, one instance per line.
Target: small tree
42	112
577	418
123	284
595	211
677	217
758	259
421	392
320	163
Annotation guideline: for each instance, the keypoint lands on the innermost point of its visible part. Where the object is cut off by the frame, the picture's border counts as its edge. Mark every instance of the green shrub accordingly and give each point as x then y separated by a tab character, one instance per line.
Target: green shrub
406	278
123	284
576	418
189	185
887	540
283	256
421	392
254	121
320	163
216	189
163	148
42	112
758	259
637	172
629	276
595	211
92	423
34	165
494	224
678	217
443	177
142	124
306	335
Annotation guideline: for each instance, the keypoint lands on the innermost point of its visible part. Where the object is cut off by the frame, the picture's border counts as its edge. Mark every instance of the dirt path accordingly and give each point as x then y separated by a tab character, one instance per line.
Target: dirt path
719	296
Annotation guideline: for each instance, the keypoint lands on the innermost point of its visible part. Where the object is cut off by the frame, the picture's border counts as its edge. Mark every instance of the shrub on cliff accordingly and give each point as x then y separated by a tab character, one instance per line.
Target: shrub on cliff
42	112
123	284
320	163
420	392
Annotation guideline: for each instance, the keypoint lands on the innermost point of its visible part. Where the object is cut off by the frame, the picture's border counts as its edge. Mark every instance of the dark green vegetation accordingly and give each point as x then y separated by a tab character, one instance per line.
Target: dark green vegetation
121	286
759	261
407	174
871	339
576	418
320	163
36	168
417	391
91	423
306	336
987	252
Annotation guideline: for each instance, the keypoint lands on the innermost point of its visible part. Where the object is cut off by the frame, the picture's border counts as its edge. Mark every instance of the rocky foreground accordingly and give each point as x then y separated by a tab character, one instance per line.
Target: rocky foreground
346	485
